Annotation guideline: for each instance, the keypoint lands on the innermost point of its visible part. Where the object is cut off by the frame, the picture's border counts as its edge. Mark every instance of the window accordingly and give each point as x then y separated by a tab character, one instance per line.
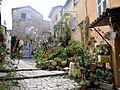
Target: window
23	15
27	30
101	6
73	23
75	2
26	16
56	17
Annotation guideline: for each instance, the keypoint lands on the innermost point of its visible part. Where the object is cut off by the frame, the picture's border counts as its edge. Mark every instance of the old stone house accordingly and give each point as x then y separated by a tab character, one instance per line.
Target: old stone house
55	15
24	19
28	25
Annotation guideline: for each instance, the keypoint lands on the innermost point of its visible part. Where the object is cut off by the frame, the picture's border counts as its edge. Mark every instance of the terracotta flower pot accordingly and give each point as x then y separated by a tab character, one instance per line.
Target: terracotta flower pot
84	88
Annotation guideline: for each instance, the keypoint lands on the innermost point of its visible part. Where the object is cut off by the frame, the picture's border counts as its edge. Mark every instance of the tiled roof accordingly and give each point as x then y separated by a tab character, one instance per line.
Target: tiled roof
103	19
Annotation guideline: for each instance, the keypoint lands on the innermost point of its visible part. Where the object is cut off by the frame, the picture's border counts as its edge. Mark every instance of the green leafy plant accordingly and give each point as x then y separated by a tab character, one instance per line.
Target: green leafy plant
63	25
103	49
107	35
6	65
76	75
1	29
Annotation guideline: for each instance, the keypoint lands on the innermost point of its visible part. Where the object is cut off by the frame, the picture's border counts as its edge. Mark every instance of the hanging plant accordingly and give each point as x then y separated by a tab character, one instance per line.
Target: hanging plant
107	35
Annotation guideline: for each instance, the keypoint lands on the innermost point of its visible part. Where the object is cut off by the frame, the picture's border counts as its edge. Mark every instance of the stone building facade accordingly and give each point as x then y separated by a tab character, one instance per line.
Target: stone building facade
28	25
26	21
55	15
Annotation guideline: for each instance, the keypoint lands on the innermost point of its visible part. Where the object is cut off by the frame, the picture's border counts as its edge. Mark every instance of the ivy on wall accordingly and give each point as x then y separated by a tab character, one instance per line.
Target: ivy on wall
64	25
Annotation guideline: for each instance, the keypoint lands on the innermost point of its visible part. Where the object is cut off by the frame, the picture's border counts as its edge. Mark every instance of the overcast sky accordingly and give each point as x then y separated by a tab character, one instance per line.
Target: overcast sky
42	6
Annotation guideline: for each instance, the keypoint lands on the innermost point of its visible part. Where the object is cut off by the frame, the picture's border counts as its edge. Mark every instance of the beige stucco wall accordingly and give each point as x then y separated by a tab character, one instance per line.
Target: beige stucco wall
115	43
92	13
57	13
114	3
78	11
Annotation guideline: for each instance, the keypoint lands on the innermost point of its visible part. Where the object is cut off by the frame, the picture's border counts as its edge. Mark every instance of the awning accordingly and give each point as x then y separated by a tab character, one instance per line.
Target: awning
103	20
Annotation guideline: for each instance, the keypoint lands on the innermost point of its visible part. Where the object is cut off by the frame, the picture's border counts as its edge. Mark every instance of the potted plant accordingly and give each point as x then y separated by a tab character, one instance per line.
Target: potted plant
83	83
76	75
51	68
58	60
54	63
92	66
63	63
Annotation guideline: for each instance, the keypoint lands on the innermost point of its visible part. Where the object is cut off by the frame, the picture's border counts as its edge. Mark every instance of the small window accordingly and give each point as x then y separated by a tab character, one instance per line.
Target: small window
56	17
101	6
28	16
75	2
23	15
73	23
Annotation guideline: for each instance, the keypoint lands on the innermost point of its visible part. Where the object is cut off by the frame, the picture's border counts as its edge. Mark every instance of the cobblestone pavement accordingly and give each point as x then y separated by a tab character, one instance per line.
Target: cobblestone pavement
42	83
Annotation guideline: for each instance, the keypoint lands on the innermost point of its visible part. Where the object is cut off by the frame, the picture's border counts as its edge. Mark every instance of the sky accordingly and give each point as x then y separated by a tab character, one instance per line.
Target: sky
42	6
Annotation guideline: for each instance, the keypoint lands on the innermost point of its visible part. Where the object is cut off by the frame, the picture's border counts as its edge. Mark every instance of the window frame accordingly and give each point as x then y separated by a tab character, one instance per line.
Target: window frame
75	2
23	15
100	6
27	16
74	23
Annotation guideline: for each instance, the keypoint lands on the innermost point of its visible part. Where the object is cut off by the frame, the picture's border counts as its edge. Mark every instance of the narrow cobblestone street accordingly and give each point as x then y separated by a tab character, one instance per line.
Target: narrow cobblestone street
44	80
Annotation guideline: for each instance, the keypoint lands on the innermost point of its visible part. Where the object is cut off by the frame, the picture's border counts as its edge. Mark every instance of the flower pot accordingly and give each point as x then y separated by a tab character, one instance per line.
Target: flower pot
93	67
91	79
58	63
84	88
63	63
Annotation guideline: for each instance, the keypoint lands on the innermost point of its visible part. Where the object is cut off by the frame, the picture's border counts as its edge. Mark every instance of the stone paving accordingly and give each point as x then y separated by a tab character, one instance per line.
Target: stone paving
42	83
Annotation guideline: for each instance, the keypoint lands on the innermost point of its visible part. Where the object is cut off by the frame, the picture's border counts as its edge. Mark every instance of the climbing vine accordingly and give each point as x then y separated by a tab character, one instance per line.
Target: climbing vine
63	26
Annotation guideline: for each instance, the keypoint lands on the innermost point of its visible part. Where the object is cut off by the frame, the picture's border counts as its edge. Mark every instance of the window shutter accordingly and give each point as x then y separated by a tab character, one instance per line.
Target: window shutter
28	16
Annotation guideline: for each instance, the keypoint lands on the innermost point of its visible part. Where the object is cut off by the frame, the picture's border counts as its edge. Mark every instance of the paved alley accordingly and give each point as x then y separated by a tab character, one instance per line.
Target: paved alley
45	80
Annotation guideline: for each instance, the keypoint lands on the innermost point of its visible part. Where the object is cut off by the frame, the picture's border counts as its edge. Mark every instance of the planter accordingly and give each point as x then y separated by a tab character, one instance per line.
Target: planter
104	58
91	79
84	88
50	68
58	63
92	67
63	63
